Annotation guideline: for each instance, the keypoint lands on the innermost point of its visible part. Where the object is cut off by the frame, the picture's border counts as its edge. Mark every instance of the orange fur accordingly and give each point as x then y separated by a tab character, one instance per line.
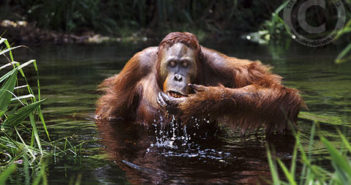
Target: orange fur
243	92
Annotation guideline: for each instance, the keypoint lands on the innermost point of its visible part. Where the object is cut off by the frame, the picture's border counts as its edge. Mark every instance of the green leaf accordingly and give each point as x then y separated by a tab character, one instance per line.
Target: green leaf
5	174
288	175
22	97
35	131
281	7
20	67
341	57
273	168
8	50
340	162
2	40
6	90
293	161
345	141
8	64
21	114
5	76
9	47
333	120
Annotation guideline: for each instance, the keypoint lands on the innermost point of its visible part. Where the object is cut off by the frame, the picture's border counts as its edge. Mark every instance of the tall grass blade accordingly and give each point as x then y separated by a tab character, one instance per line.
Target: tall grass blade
310	144
5	174
8	46
8	64
20	67
41	177
41	116
16	118
25	145
20	87
346	29
345	141
288	175
272	167
8	50
281	7
7	75
340	58
2	40
26	170
304	158
5	92
39	98
35	132
293	161
26	64
23	97
340	162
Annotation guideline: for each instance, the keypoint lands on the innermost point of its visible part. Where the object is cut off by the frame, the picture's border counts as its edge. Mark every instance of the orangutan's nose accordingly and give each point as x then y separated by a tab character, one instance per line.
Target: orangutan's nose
178	77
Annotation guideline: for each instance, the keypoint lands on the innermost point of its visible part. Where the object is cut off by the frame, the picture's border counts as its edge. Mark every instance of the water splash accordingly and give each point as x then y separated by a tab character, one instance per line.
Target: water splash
172	139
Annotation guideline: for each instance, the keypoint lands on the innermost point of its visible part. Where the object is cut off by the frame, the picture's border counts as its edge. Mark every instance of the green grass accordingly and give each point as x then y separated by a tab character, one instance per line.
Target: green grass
311	173
345	53
20	113
19	105
23	130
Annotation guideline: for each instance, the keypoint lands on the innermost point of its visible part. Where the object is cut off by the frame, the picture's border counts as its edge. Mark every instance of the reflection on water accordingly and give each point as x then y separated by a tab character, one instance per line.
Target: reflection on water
171	154
178	155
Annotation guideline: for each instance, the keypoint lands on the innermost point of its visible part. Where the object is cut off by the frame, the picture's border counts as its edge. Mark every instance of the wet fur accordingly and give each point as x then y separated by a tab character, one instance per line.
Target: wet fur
243	93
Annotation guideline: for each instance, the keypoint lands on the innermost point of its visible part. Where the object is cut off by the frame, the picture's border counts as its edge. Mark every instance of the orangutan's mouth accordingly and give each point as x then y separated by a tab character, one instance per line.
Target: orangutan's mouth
176	94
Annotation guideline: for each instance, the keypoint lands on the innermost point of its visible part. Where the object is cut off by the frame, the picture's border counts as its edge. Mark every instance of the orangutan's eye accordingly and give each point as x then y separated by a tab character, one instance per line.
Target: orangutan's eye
172	63
185	64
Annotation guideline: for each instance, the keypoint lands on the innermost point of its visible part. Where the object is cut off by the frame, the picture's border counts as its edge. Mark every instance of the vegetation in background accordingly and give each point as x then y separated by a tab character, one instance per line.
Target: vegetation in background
260	20
345	54
119	17
275	31
311	173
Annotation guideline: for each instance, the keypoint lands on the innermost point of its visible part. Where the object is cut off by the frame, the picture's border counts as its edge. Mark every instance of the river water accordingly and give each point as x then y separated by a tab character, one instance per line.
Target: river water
129	154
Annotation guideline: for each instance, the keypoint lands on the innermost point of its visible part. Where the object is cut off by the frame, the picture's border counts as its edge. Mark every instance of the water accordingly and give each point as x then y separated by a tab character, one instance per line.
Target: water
125	153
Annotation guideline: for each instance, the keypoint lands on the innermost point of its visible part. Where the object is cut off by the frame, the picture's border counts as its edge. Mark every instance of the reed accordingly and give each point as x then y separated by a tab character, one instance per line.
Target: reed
20	113
345	54
311	173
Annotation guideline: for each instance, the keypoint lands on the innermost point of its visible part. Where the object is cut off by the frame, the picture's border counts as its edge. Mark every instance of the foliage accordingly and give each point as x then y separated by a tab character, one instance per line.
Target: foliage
345	53
23	147
18	104
311	173
19	113
276	31
275	28
109	16
67	15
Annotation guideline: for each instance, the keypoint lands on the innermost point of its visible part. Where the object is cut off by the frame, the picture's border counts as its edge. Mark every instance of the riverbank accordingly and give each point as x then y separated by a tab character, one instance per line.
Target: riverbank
22	32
